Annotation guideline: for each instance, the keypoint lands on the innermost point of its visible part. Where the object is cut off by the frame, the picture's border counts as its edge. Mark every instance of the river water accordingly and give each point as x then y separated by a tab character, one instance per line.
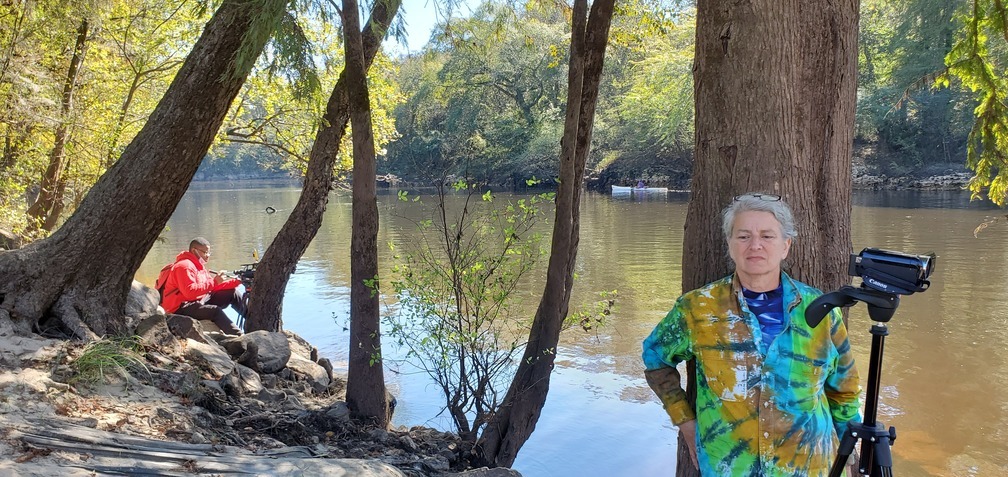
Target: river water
945	366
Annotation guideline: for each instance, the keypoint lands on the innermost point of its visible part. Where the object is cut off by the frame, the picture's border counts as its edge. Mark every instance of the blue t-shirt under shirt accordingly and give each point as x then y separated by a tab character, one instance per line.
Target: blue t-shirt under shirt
769	310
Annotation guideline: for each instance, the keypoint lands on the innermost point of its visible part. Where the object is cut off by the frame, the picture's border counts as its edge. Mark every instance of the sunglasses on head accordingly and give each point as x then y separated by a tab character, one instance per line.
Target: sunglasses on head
764	197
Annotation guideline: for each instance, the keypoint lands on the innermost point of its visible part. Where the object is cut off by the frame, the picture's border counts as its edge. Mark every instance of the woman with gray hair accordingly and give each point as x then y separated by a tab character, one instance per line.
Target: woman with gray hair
773	394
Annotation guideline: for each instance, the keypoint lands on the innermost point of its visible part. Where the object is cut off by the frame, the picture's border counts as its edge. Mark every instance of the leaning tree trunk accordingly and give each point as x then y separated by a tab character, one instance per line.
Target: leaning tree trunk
514	422
365	393
266	303
774	85
53	183
81	274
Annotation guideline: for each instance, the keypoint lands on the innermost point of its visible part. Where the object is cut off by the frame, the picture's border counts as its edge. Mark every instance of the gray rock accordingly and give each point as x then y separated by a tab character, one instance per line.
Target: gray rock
486	472
339	412
209	357
270	381
378	435
327	366
408	443
212	389
197	438
293	403
447	454
185	327
271	395
272	349
299	346
230	385
436	464
166	414
309	372
250	381
142	301
153	331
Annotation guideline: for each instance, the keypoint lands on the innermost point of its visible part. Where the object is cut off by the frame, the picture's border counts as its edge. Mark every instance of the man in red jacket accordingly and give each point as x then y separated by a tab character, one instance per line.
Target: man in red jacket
194	291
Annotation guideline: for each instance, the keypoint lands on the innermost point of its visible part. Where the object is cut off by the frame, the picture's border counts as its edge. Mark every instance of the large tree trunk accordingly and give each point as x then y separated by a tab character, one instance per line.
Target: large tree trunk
41	213
81	273
514	422
365	393
774	85
265	309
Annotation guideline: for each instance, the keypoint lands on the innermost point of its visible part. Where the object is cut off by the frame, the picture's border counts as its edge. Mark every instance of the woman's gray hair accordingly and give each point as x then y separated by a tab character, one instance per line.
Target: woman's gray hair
761	203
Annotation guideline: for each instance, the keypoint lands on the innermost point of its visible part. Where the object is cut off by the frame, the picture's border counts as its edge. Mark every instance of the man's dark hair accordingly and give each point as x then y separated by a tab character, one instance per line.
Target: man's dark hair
199	241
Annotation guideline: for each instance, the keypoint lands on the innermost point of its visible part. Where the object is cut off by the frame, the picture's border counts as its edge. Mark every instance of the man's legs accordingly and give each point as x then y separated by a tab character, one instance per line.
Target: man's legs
225	298
213	310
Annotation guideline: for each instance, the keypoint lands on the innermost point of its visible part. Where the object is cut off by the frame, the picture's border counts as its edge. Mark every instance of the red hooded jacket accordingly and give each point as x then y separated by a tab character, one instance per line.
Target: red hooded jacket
189	280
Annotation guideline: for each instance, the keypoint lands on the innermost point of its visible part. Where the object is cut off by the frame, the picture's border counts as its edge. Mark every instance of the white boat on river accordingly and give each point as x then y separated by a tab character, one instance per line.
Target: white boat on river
624	190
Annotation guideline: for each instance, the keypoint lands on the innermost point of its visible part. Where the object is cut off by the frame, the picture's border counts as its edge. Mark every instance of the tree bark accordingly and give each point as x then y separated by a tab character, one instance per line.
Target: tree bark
53	181
365	393
774	85
81	274
514	422
278	263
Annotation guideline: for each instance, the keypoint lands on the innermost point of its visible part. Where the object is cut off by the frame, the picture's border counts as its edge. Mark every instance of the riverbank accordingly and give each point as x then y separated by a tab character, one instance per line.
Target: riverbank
952	178
181	400
862	178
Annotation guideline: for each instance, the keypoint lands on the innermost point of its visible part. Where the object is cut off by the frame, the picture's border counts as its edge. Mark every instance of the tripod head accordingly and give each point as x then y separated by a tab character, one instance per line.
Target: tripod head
881	305
885	275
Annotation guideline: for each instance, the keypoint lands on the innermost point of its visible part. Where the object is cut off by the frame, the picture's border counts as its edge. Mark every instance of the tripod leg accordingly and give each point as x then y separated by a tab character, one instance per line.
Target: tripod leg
844	452
882	462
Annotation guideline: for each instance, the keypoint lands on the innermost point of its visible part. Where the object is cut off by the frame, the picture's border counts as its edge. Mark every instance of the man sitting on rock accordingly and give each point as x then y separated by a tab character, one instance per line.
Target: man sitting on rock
194	291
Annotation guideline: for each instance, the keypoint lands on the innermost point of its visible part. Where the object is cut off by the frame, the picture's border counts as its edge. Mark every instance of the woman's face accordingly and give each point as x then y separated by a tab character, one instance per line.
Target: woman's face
757	246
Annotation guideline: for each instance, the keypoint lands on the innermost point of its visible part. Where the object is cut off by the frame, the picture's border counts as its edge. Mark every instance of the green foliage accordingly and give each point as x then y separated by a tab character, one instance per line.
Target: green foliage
487	98
591	318
914	128
457	286
977	60
107	358
280	108
476	106
131	53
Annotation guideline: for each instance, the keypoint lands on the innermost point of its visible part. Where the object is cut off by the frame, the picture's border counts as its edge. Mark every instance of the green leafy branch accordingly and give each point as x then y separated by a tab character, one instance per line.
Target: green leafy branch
972	60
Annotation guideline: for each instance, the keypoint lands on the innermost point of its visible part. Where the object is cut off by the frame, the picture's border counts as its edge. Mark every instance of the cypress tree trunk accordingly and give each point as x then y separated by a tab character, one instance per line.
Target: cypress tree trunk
273	272
365	393
774	85
81	274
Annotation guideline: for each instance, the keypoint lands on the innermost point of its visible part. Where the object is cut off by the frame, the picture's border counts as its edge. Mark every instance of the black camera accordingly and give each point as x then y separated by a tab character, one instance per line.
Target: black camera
246	274
892	272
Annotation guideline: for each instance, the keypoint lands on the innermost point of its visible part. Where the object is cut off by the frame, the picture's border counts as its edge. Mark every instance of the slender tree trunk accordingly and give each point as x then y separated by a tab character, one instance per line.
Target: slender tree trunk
139	77
11	151
774	85
81	274
280	259
365	394
120	123
53	182
514	422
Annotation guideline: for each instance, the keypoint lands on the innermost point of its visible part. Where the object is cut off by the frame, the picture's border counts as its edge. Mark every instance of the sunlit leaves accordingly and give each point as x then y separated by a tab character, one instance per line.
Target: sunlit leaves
977	61
459	315
132	52
279	111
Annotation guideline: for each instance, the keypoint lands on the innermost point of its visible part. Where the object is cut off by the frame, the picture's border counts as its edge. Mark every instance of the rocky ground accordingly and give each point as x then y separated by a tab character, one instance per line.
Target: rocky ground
863	178
177	388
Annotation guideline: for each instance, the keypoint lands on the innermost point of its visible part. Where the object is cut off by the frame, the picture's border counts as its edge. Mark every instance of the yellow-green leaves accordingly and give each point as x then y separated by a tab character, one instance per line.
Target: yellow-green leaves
977	61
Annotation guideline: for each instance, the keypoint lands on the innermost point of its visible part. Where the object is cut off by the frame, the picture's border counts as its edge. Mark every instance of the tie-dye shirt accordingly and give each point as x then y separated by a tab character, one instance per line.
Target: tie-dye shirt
773	414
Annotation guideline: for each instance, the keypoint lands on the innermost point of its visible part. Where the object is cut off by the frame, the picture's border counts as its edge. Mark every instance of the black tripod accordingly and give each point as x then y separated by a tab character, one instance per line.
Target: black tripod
876	459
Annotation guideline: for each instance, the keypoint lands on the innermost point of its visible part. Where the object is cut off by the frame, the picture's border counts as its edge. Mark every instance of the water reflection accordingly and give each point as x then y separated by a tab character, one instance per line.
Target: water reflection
944	368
